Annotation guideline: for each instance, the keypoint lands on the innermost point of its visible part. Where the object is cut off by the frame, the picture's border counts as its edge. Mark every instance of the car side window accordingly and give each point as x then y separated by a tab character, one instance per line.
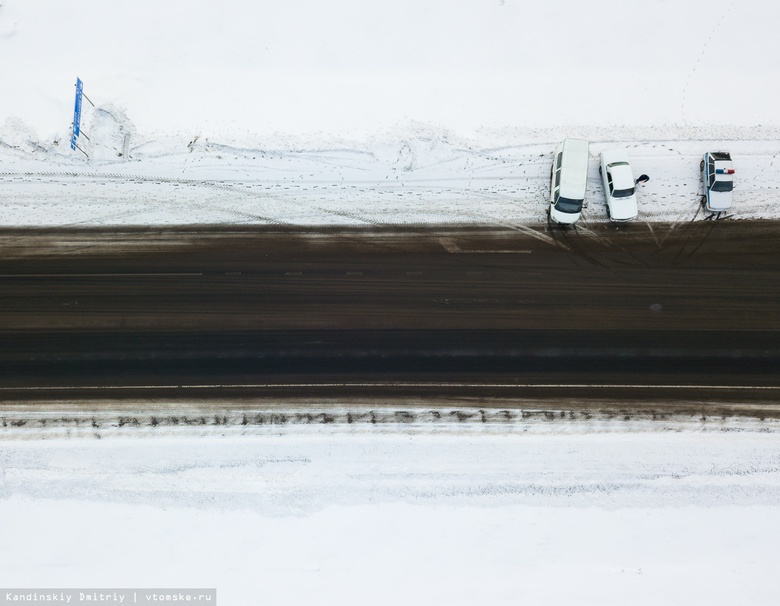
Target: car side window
555	197
558	160
609	182
557	177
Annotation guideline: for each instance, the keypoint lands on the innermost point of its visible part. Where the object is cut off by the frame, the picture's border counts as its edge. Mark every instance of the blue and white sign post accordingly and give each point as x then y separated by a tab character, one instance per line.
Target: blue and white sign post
77	114
76	130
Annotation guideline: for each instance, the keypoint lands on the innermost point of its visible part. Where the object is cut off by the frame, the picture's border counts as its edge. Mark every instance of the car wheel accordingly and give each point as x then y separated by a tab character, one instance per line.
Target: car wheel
701	166
599	171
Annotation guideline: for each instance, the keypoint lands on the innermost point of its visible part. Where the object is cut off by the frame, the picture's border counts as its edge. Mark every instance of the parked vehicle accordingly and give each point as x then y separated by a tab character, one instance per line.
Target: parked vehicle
717	172
568	179
618	181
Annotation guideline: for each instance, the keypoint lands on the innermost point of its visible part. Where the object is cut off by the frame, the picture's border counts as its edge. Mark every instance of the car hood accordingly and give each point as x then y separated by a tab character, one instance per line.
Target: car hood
564	218
719	200
623	209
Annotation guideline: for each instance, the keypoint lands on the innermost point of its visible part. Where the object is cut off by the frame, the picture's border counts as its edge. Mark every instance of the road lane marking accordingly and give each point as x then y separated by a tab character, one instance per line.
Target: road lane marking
130	275
383	385
451	246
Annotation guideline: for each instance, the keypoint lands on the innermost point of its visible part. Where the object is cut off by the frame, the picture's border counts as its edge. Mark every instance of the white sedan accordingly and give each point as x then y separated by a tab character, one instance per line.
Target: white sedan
618	181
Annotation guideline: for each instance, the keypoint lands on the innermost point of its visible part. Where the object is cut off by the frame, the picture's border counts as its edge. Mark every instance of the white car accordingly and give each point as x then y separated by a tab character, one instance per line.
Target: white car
618	181
568	180
717	172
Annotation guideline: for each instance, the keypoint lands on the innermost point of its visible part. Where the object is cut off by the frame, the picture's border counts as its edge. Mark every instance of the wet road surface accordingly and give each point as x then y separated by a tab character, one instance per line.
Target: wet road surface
626	313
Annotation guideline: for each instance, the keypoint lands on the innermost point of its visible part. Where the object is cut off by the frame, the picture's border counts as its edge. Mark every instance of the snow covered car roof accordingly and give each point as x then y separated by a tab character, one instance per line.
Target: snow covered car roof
724	167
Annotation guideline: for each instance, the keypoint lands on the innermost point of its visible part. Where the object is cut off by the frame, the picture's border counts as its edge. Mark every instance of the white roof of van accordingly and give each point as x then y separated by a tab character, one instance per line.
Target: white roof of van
574	174
576	144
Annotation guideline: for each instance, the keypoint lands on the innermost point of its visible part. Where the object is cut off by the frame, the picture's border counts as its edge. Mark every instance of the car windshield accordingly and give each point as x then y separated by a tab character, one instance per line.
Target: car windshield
623	193
567	205
723	186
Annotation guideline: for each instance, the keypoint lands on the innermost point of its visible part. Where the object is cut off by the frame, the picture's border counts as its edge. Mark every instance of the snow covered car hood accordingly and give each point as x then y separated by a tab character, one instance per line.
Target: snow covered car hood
623	209
719	200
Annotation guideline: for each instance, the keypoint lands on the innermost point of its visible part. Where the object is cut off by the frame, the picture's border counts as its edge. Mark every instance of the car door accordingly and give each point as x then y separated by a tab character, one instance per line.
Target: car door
609	188
710	174
556	179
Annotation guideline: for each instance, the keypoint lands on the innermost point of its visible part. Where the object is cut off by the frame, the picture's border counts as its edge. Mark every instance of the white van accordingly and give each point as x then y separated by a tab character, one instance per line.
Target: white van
569	178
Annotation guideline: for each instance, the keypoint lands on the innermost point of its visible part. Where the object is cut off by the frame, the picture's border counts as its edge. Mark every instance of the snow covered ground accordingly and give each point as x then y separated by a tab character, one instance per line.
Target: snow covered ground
310	113
422	181
353	514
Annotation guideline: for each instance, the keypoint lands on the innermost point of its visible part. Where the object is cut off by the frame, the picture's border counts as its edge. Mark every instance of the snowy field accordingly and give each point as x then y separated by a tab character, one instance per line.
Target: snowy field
310	113
423	514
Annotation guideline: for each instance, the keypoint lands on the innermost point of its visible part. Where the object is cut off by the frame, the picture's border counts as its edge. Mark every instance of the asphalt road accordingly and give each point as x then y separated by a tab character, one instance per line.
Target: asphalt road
625	313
